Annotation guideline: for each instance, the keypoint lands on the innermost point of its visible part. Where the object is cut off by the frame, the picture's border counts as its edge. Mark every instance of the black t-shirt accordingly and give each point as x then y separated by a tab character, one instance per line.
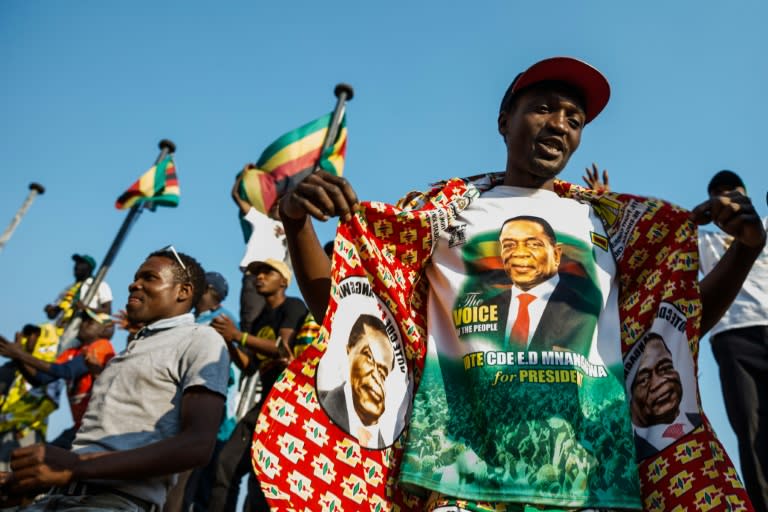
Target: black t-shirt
288	315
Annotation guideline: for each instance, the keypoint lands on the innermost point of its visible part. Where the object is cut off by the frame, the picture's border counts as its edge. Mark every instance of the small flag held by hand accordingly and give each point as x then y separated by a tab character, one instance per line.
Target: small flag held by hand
290	159
159	186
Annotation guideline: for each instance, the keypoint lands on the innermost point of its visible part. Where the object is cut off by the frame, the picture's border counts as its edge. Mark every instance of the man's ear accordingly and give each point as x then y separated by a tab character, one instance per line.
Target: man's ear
558	253
185	292
502	124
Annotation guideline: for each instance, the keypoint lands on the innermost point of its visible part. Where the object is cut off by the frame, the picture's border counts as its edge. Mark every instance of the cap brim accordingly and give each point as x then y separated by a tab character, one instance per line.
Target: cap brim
257	264
592	84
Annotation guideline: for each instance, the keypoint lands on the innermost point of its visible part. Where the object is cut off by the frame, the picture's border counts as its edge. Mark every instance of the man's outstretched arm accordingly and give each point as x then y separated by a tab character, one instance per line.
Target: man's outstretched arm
734	213
321	195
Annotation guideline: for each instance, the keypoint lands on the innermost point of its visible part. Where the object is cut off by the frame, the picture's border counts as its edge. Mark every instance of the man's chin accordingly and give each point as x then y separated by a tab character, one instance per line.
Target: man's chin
133	316
547	169
371	414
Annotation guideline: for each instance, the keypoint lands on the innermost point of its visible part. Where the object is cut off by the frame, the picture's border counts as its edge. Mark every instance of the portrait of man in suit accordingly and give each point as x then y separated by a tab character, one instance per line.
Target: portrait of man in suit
656	397
358	403
544	309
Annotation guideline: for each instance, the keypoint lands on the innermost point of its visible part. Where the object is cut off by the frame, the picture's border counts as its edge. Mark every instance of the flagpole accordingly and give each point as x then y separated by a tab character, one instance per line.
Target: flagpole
343	93
68	338
35	189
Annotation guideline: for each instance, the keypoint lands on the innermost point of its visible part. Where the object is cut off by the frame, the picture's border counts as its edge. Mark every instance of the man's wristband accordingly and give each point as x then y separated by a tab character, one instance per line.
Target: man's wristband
243	339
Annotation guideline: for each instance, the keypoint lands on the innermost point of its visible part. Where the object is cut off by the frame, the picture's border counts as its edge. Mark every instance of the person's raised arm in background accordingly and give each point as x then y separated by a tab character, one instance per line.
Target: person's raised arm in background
322	196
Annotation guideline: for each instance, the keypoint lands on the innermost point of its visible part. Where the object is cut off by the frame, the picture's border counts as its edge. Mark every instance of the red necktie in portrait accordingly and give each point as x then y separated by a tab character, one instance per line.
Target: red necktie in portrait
518	336
675	431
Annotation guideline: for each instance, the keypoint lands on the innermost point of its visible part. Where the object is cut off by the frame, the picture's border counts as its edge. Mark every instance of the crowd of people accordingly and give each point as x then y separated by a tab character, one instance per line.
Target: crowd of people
513	344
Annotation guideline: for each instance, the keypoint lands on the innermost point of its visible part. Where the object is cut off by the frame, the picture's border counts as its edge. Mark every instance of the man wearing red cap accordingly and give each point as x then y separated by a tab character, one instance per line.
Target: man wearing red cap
494	427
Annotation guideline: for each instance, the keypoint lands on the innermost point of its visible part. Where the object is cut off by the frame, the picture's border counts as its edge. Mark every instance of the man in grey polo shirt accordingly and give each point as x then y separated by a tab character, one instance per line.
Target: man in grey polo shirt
154	411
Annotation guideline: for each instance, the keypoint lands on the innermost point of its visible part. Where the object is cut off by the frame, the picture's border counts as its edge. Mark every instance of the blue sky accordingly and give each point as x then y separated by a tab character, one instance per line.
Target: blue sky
89	88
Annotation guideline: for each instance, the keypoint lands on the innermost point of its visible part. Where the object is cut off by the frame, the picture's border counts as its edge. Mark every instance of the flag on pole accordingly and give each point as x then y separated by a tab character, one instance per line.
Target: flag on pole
158	186
290	159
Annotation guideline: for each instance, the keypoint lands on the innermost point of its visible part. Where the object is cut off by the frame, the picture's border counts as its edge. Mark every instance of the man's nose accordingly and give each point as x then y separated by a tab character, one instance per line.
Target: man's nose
656	381
133	286
558	121
520	250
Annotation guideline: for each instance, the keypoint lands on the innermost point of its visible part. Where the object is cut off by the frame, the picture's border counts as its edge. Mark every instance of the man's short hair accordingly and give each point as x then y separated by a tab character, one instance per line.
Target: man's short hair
538	220
193	273
724	178
358	328
30	329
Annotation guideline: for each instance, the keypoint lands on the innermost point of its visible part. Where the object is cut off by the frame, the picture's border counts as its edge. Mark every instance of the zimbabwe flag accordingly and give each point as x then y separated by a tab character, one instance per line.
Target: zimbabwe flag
158	186
290	159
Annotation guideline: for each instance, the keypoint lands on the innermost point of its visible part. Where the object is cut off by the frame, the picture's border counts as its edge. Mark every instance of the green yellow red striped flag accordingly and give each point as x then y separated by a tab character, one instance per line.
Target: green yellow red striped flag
158	186
290	159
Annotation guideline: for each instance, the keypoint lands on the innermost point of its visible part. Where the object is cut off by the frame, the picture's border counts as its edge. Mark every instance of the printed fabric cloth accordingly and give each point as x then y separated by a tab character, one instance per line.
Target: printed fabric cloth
307	458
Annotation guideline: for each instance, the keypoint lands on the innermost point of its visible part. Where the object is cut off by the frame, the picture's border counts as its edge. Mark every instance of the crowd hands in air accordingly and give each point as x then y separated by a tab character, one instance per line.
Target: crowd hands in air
169	287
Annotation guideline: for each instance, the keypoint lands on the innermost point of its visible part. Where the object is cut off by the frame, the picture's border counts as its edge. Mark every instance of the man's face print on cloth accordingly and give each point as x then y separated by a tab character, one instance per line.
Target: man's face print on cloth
362	379
661	384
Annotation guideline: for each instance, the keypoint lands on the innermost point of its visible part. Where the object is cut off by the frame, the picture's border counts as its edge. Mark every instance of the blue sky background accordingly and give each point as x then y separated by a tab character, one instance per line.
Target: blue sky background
89	87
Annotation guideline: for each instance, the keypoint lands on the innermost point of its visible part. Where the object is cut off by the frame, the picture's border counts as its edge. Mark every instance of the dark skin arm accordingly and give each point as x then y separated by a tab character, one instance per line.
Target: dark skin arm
28	365
94	364
41	466
322	196
227	329
242	205
733	213
16	352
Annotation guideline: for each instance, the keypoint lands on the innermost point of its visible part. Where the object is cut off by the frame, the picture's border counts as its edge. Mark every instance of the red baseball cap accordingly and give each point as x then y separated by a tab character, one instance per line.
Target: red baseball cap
588	80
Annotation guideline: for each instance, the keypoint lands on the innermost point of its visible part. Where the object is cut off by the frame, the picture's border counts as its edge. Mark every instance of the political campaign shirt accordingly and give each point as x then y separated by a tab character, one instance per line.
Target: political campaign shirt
523	387
305	459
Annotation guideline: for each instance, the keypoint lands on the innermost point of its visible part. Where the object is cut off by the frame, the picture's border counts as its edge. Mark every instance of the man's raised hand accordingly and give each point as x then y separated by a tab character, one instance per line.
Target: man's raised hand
593	181
733	213
320	195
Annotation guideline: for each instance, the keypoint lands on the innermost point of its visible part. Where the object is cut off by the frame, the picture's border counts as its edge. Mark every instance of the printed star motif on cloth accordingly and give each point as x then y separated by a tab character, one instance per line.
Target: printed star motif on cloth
649	239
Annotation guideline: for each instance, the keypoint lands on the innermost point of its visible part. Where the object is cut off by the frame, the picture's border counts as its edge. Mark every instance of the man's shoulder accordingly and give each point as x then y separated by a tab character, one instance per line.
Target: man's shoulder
70	354
441	192
294	304
100	346
202	332
189	335
103	285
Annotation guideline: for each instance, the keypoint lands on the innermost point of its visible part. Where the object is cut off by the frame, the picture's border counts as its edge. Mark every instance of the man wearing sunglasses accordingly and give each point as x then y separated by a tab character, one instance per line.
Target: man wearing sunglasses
154	410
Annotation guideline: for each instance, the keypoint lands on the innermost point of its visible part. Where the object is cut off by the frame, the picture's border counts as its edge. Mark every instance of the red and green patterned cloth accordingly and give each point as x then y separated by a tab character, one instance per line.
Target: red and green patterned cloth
304	461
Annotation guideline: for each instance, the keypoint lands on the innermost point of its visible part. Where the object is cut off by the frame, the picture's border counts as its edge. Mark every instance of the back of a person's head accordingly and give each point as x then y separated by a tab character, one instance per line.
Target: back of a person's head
724	179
